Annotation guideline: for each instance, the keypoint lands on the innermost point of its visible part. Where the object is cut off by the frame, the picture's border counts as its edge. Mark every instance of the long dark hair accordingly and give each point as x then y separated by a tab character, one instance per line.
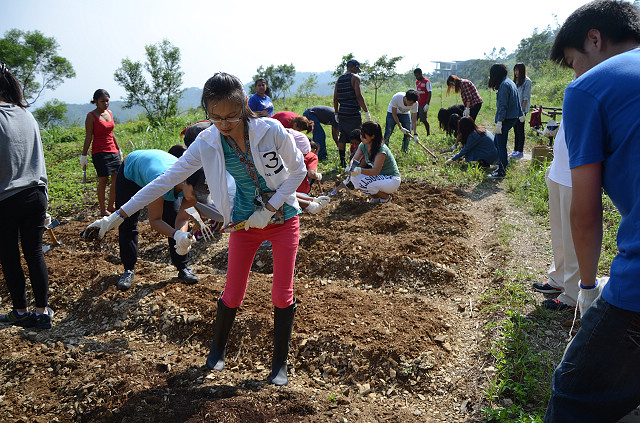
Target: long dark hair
224	86
453	82
10	89
522	72
268	90
466	126
373	128
497	74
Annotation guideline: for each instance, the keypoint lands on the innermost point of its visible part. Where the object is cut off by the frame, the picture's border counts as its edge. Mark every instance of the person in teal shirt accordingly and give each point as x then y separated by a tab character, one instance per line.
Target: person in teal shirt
373	168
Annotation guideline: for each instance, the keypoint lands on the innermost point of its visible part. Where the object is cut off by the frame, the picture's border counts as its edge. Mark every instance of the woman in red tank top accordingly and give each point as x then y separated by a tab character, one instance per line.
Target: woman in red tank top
105	153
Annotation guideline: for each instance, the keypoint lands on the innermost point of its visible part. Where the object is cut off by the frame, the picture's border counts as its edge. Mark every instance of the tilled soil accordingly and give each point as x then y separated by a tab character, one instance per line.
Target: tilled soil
387	328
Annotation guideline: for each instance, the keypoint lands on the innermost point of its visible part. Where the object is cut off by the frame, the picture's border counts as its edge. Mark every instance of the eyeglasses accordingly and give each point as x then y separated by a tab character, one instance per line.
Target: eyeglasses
228	120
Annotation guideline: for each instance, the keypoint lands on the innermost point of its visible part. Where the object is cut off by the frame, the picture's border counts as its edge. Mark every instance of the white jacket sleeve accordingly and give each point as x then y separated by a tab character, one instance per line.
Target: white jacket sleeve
178	172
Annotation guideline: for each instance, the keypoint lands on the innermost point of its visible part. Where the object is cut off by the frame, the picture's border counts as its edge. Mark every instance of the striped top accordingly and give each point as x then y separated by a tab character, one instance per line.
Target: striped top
349	106
244	204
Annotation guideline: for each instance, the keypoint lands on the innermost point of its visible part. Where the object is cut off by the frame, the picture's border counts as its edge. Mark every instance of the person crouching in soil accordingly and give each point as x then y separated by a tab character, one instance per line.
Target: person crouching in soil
380	177
477	144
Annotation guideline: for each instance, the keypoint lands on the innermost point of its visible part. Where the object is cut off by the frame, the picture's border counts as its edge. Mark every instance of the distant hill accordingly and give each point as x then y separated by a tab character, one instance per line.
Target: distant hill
76	113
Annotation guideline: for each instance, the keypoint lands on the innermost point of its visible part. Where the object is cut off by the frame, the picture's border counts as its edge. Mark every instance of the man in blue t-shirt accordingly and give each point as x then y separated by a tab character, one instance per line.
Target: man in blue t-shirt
597	380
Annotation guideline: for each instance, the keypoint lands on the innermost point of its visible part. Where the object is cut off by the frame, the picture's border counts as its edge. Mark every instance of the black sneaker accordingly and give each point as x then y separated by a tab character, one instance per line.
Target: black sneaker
546	288
556	305
43	321
124	283
186	275
13	318
497	175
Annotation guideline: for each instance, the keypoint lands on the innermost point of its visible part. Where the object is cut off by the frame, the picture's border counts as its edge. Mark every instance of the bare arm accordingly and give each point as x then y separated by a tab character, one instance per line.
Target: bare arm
414	123
355	83
586	219
335	99
88	127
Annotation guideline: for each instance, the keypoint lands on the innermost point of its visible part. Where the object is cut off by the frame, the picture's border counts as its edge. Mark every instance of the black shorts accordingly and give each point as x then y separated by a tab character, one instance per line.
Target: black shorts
347	125
106	164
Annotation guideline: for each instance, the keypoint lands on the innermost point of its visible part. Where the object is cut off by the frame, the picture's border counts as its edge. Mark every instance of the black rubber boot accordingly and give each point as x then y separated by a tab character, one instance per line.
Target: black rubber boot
224	321
282	327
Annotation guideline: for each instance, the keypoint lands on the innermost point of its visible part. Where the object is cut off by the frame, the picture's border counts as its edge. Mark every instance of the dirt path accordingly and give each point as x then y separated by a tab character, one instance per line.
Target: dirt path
388	327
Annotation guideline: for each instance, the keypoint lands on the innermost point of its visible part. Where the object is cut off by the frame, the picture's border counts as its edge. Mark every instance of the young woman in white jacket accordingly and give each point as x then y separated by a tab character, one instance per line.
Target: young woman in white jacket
267	167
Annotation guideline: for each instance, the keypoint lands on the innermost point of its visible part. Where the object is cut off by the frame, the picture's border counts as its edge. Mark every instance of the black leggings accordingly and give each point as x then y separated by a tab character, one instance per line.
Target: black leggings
128	230
23	216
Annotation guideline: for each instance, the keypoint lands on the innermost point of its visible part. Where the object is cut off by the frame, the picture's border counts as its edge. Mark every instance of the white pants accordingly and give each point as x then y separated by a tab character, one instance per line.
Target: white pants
370	185
564	272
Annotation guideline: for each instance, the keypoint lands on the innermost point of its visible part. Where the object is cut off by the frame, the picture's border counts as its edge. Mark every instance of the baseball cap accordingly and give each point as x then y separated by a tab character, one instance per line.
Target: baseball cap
191	132
353	62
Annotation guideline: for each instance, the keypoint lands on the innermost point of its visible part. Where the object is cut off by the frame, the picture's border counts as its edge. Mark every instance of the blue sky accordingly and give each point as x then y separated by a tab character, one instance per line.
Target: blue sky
239	36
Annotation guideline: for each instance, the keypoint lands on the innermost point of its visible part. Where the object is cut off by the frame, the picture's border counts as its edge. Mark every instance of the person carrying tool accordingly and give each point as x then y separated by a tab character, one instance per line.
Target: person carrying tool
379	177
23	204
267	167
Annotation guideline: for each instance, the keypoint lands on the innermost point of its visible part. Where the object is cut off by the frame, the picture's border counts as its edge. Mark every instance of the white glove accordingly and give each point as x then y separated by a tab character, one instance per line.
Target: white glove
323	199
426	107
314	208
107	223
586	297
367	116
259	219
121	155
499	128
84	161
47	219
405	131
356	171
521	118
415	138
183	242
337	121
467	112
318	176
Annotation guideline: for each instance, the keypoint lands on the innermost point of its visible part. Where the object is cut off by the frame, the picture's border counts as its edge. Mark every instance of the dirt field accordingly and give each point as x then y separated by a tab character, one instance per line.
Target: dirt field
388	326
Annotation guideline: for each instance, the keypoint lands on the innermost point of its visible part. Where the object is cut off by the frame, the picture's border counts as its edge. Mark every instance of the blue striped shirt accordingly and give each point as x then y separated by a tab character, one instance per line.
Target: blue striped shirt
349	106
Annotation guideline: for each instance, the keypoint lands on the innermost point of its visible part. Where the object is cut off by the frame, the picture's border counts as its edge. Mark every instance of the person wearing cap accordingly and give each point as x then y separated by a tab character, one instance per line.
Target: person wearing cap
347	101
139	169
322	115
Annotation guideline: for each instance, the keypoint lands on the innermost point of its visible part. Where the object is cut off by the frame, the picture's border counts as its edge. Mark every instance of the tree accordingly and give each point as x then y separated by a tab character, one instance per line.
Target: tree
306	88
32	59
53	112
280	79
377	74
160	99
534	51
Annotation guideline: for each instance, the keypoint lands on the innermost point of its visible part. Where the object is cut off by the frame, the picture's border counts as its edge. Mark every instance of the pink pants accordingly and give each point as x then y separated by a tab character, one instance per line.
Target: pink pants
242	250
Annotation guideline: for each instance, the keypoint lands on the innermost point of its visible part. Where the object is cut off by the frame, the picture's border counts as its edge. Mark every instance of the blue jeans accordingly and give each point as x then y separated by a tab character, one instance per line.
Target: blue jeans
318	134
500	141
598	379
405	120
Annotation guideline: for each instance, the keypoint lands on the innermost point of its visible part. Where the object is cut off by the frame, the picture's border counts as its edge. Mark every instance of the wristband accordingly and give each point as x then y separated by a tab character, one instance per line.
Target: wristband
588	287
173	235
118	213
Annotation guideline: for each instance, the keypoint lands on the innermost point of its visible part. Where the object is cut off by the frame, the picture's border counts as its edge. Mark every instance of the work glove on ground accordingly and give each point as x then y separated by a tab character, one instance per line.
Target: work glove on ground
367	116
499	128
425	108
105	224
467	112
84	161
259	219
521	119
587	296
183	242
356	171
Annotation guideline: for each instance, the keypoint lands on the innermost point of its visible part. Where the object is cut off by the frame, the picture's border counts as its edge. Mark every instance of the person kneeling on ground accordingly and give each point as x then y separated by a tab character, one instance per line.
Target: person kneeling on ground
381	179
477	144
